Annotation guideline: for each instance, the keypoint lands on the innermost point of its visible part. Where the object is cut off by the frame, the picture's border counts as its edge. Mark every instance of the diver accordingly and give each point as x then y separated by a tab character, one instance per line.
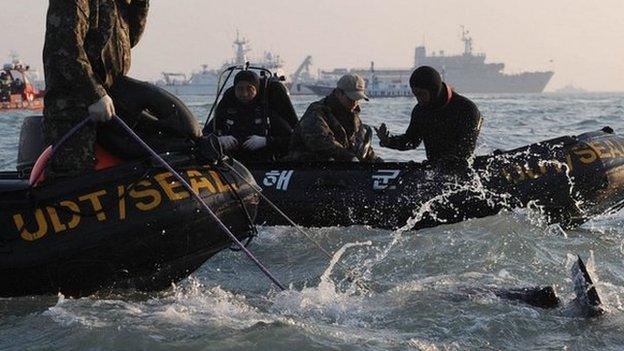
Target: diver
86	57
447	123
587	302
254	119
331	129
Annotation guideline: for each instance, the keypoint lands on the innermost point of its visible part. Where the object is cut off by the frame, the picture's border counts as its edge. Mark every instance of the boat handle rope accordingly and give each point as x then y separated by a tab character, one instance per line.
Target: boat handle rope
214	143
351	275
199	200
219	91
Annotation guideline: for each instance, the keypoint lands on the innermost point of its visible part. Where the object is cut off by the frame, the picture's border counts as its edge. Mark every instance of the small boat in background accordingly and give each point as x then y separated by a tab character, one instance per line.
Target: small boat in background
16	88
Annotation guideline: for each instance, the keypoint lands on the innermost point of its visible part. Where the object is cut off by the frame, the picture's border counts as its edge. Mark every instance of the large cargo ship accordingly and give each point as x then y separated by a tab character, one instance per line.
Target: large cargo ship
467	72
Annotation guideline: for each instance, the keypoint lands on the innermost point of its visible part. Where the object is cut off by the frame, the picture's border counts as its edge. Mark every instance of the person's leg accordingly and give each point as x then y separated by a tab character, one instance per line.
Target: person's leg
168	113
75	157
161	119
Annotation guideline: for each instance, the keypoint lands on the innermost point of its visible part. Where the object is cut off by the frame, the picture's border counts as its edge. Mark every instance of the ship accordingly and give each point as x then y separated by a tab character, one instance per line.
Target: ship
467	73
206	80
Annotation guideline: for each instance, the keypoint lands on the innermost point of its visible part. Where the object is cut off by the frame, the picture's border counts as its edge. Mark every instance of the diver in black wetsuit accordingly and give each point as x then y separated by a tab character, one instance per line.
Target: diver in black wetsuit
587	302
447	123
254	119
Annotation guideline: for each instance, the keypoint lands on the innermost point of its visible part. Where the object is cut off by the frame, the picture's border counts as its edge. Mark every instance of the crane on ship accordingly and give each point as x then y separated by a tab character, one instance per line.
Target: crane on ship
304	68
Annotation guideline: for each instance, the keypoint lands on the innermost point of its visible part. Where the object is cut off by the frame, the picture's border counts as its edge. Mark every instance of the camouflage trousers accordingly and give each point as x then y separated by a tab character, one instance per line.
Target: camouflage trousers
76	156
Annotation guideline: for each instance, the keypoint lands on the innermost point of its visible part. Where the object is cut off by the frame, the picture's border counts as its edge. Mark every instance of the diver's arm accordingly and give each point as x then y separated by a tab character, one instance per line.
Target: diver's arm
470	129
399	142
408	141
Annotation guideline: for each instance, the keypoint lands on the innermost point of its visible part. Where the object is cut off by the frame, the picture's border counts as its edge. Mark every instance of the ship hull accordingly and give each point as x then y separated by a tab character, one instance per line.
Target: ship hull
530	82
525	83
190	89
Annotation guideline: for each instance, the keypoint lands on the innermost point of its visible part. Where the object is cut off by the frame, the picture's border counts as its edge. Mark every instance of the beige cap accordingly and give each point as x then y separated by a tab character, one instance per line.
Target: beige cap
353	86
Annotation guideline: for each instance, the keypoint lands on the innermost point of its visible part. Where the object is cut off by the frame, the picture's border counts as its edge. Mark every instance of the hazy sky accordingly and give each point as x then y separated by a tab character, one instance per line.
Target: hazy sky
582	41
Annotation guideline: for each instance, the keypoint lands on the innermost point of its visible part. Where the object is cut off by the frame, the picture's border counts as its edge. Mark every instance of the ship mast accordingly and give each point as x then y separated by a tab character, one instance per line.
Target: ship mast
467	41
241	49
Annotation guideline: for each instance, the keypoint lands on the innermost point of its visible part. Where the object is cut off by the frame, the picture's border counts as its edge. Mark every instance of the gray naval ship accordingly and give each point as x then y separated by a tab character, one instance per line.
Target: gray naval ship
467	72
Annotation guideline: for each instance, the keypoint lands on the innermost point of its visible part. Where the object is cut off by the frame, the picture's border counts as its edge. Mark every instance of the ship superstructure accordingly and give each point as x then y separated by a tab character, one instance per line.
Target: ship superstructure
205	81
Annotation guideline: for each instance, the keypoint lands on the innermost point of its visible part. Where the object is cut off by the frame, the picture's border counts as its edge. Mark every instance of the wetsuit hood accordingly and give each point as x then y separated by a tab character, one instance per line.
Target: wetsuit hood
428	78
248	76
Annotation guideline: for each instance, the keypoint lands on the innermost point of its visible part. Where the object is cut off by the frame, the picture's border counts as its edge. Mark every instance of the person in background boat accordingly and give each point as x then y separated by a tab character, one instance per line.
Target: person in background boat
331	128
17	87
86	57
5	87
447	123
250	126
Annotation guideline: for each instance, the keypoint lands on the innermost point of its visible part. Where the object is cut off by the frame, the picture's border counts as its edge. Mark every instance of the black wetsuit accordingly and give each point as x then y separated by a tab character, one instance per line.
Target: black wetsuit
449	129
273	118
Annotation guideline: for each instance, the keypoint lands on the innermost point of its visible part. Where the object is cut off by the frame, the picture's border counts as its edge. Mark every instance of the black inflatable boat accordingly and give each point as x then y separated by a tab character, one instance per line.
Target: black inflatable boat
129	226
569	179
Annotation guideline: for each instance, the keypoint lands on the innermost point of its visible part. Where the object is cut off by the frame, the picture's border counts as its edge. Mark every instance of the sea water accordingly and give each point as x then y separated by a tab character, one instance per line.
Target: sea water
412	285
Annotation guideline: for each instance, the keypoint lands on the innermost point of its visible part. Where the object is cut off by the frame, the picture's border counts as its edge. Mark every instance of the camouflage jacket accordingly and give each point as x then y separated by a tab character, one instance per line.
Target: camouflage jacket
87	45
322	134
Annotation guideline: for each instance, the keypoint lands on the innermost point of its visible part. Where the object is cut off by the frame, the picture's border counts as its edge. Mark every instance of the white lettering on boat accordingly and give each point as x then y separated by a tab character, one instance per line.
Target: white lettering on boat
383	177
278	179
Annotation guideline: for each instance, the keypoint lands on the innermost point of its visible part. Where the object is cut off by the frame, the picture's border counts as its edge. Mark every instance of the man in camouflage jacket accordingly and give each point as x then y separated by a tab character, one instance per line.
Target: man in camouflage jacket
331	129
87	47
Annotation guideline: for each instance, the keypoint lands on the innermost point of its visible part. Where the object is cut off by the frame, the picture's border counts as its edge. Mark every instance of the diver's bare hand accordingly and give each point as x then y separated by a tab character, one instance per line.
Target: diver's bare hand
382	133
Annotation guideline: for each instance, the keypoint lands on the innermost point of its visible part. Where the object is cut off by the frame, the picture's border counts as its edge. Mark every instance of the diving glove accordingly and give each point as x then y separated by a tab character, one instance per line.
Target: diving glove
255	142
228	142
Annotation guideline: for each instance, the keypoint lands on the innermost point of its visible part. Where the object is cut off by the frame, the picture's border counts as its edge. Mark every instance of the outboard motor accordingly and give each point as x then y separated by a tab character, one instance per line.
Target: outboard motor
31	145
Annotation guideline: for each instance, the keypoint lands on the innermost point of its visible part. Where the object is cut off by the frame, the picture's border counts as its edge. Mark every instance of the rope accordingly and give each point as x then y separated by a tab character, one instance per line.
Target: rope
350	274
200	200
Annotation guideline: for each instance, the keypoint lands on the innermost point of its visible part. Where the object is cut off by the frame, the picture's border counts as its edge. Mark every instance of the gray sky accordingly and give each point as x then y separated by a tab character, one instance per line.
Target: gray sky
582	41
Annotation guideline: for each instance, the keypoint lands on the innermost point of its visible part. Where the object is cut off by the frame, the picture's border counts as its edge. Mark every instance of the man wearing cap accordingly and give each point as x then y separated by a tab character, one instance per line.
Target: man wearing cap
331	128
447	123
249	127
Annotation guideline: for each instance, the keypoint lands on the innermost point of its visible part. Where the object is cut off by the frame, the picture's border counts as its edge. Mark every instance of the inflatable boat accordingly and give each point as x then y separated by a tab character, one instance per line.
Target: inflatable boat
127	226
568	179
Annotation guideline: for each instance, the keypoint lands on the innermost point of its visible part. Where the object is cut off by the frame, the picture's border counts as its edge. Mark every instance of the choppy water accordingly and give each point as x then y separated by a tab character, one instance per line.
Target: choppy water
417	279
